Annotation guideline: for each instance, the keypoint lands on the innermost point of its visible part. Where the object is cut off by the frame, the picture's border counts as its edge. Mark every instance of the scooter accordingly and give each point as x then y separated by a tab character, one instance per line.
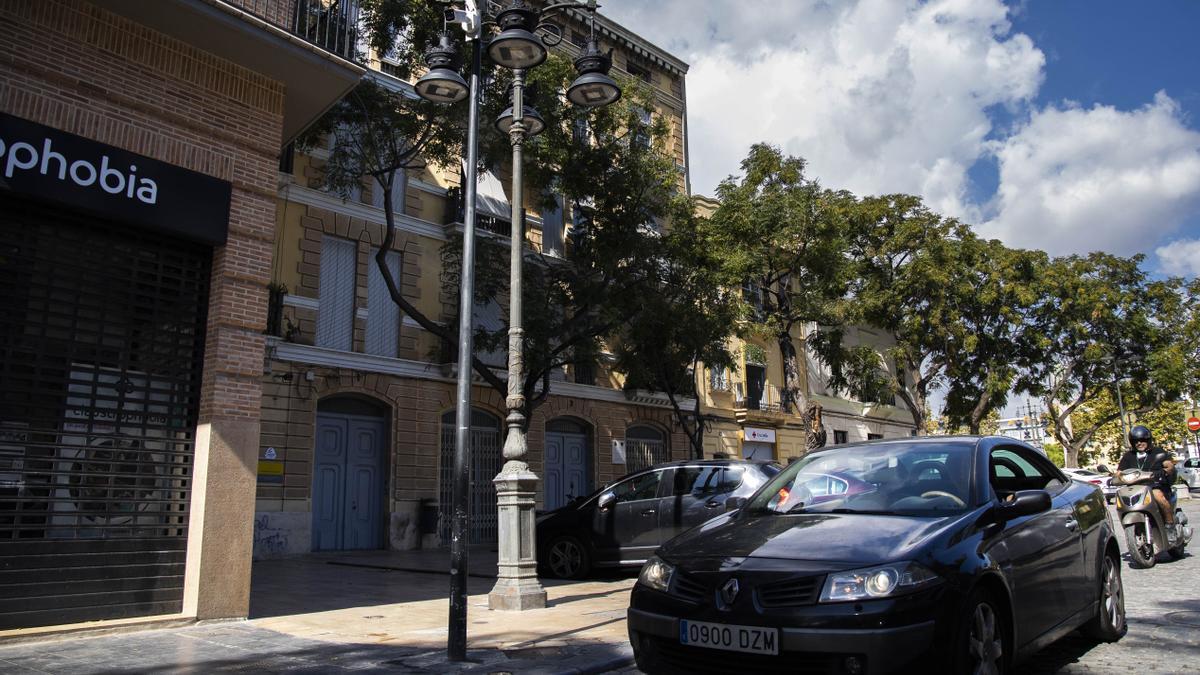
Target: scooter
1143	520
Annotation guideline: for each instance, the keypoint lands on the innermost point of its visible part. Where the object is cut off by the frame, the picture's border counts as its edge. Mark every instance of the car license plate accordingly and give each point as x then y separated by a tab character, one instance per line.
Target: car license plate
753	639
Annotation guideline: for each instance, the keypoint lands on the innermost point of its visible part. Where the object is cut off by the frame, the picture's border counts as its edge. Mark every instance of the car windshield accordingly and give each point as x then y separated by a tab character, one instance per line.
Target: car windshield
891	478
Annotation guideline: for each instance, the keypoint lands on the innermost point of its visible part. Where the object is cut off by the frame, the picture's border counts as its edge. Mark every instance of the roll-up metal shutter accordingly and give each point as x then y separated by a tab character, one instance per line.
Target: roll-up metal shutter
101	350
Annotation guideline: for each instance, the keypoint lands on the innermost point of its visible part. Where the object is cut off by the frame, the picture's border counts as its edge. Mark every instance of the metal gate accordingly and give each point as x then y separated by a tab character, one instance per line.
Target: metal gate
483	524
644	447
100	357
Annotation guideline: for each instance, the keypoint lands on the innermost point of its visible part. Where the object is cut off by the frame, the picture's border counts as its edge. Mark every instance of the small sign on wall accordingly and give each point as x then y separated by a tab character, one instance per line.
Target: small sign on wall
618	452
760	435
270	471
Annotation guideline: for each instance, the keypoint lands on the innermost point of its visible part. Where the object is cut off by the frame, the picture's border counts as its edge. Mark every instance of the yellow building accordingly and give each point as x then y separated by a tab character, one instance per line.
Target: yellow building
358	401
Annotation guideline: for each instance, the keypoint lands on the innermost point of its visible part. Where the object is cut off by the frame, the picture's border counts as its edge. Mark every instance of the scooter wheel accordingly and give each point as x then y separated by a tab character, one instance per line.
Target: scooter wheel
1141	550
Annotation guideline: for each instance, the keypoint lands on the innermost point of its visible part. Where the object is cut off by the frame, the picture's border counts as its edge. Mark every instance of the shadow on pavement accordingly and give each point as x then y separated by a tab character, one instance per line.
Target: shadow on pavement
246	649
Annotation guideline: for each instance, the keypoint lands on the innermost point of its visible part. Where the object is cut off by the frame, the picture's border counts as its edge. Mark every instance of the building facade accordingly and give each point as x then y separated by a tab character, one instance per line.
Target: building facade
139	144
357	433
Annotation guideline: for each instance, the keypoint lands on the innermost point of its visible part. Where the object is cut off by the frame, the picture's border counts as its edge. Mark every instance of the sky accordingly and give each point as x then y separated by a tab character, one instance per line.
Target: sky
1063	125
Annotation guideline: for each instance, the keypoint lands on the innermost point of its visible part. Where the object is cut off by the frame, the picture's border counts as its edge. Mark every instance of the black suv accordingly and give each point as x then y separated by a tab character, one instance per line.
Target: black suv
623	523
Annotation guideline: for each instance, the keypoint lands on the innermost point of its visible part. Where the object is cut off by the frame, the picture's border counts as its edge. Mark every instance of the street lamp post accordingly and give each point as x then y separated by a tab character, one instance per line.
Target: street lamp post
518	48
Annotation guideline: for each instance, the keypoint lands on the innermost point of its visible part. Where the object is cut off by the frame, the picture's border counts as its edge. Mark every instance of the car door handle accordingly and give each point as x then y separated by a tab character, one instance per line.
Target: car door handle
649	512
1071	524
712	503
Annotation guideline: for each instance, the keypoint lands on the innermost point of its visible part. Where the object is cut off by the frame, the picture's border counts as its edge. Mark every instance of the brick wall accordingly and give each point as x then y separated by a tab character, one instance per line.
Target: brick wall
70	65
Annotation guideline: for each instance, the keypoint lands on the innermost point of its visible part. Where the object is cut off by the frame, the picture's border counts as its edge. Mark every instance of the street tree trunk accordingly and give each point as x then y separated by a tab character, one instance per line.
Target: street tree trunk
790	392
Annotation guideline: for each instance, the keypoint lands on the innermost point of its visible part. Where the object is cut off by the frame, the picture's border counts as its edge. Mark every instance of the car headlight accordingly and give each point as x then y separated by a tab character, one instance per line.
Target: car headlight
656	574
877	582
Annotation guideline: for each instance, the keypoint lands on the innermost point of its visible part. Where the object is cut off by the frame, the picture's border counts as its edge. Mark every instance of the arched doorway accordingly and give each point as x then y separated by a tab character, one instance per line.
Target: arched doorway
645	446
567	469
348	474
483	523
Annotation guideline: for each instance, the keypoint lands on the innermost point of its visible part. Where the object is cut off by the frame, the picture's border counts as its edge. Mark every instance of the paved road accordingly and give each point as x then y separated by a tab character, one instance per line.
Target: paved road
1163	608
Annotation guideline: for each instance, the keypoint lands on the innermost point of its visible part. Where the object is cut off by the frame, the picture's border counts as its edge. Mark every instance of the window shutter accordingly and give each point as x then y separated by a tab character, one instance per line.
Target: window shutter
552	228
383	316
488	316
335	320
399	199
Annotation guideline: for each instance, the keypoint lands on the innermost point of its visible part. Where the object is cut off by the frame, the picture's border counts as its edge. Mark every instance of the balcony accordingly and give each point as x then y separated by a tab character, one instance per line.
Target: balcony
307	45
766	408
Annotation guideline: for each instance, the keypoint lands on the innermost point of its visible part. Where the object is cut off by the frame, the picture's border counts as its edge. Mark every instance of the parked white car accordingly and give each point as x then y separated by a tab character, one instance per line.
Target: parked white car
1100	480
1189	471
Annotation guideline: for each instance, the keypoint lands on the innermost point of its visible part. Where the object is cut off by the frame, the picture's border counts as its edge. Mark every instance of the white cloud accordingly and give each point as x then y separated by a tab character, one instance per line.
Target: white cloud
1075	179
879	95
885	96
1180	257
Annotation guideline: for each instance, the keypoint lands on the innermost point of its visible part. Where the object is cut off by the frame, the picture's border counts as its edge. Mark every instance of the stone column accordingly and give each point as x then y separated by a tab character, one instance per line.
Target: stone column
517	586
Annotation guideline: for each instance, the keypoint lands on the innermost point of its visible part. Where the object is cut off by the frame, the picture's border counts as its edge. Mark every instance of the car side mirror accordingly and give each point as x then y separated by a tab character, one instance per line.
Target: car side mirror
606	500
1103	469
734	503
1024	503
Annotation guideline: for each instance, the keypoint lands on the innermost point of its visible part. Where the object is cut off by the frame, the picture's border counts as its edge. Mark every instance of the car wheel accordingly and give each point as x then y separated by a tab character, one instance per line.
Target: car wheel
1109	623
1141	549
983	646
566	558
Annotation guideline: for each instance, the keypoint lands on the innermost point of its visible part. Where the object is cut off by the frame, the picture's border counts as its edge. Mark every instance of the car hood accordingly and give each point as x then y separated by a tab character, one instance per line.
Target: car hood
817	537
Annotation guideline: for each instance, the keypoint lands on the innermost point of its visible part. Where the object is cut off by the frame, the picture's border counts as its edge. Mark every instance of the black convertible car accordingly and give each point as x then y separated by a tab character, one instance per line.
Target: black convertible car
957	555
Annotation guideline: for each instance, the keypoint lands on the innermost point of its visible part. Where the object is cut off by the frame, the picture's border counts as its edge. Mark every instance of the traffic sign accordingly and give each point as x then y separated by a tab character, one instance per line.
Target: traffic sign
1193	424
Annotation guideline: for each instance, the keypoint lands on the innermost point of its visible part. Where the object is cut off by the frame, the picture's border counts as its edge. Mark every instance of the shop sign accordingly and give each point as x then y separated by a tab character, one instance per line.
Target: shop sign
39	161
760	435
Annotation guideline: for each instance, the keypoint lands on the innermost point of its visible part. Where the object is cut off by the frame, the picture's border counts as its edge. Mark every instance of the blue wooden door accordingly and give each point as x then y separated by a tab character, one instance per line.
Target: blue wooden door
566	468
348	483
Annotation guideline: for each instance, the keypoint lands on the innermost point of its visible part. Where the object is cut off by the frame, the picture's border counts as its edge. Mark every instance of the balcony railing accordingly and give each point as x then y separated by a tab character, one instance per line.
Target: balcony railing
329	24
769	401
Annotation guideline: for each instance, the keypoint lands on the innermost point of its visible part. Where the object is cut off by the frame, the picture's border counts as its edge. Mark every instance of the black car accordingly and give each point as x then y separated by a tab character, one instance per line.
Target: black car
959	554
623	523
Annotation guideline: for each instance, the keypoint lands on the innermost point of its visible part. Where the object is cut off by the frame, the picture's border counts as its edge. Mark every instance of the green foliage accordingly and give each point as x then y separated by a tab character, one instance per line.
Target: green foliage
1055	452
781	238
1100	316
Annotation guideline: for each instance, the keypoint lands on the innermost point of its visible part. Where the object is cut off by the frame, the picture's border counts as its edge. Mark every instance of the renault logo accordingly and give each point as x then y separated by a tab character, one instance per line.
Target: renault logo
729	592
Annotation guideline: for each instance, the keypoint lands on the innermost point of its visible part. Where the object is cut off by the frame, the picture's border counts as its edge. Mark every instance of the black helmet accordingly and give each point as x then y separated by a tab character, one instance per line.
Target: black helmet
1139	433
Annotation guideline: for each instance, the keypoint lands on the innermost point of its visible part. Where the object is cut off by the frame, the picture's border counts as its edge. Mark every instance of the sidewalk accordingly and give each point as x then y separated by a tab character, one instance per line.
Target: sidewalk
355	612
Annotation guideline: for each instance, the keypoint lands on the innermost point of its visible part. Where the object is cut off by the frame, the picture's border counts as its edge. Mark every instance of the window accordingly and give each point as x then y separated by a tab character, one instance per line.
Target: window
489	318
753	295
399	185
718	379
584	372
578	39
874	437
552	228
335	319
641	135
644	447
638	69
697	481
637	488
1014	469
839	437
383	315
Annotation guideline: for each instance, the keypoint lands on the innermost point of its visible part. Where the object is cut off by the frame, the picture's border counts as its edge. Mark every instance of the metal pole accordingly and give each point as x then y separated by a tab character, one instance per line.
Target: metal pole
1121	409
456	641
515	445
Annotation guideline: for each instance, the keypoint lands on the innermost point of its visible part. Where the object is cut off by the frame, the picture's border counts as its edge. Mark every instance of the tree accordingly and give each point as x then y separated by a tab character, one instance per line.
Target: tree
683	325
1165	420
782	238
906	263
996	350
1100	316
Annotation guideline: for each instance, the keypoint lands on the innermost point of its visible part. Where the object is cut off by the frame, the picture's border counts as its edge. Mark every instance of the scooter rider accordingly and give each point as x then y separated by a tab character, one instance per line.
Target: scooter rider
1145	457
